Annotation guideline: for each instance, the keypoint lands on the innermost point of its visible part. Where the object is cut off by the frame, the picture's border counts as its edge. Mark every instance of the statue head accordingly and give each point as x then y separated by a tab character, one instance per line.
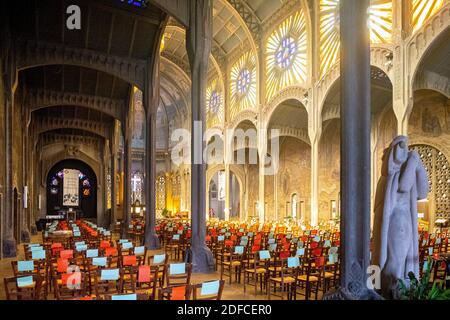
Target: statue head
398	153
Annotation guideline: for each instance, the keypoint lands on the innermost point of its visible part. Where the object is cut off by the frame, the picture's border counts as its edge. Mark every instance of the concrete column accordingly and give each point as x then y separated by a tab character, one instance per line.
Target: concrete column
355	151
114	147
127	128
198	45
227	192
151	102
262	150
315	181
9	242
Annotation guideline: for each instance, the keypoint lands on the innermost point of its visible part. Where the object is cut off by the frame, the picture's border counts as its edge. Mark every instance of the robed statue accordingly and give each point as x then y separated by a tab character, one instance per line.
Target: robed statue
402	183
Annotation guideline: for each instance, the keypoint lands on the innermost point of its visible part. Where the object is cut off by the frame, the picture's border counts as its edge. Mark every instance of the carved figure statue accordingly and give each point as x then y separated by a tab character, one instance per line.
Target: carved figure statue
402	183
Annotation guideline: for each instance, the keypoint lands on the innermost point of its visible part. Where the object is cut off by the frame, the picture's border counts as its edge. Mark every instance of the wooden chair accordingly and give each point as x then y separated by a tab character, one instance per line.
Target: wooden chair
147	280
161	261
259	270
23	287
108	281
211	290
286	281
69	286
232	263
307	279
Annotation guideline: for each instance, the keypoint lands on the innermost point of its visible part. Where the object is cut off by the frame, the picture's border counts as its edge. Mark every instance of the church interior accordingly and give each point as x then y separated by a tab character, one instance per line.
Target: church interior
223	149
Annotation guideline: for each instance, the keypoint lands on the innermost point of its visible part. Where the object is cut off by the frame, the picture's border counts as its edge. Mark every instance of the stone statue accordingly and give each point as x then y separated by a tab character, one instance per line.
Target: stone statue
402	183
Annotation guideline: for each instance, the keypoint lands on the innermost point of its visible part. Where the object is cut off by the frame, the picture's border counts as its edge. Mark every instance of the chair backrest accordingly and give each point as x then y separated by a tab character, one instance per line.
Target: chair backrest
178	273
176	292
70	285
108	281
211	290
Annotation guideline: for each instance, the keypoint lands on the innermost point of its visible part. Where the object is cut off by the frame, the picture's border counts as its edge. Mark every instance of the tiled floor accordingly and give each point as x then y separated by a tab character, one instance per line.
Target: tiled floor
231	291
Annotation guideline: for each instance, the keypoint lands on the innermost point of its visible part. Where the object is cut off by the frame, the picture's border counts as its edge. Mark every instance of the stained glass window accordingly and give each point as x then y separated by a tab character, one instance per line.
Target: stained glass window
286	53
214	102
136	184
380	25
422	10
243	84
160	192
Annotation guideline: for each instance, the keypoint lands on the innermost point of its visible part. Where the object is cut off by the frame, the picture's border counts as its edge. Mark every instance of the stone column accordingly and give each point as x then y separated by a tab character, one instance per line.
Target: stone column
151	97
198	45
127	146
355	151
25	230
9	242
315	180
262	149
227	192
113	147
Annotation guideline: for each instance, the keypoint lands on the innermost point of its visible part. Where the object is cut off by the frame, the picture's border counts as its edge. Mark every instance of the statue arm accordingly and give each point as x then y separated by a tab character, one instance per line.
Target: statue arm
408	174
422	182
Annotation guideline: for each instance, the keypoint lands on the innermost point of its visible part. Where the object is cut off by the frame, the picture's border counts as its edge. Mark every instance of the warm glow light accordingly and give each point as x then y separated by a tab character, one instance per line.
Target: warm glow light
286	53
214	104
380	24
422	10
243	84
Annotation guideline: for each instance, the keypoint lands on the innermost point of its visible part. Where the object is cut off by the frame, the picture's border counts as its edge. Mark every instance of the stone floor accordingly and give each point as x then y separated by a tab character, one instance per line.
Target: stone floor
231	291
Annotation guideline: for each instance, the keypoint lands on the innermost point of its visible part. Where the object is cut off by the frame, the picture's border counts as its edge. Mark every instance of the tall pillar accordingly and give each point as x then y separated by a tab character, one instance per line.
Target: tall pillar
315	181
227	193
127	146
113	146
151	102
262	150
198	45
355	151
9	242
25	230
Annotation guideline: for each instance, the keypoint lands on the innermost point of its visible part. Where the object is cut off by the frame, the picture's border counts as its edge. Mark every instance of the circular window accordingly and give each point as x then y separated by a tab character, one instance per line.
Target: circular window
286	52
243	81
214	102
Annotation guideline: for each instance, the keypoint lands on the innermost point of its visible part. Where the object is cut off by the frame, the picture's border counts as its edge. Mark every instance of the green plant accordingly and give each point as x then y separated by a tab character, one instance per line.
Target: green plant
165	213
421	289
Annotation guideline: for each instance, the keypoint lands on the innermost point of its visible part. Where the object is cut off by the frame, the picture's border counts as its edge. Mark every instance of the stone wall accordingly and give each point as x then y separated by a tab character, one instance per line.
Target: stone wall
329	168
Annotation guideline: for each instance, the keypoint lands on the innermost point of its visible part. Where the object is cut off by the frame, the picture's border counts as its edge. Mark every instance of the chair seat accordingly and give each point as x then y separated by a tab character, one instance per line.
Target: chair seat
328	275
234	263
285	279
304	278
274	268
258	270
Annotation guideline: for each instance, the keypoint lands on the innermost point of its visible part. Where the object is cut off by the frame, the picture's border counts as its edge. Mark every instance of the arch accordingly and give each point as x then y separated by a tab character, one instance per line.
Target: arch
79	155
290	93
88	202
48	124
427	80
422	42
238	173
246	115
39	99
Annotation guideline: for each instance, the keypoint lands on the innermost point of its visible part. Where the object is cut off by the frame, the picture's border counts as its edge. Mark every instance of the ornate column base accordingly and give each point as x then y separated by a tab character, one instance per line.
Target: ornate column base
343	294
25	236
152	241
9	248
202	259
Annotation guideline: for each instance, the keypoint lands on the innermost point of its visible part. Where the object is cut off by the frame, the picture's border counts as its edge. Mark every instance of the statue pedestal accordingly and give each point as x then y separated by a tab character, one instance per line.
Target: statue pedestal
202	260
9	248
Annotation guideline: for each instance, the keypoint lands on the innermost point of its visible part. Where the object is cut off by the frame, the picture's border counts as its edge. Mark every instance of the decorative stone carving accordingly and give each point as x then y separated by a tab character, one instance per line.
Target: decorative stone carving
403	181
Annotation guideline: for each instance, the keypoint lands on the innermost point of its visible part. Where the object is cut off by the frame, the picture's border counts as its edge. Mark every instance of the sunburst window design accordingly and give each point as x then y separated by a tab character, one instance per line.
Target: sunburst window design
380	25
214	103
243	84
380	21
287	54
422	10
